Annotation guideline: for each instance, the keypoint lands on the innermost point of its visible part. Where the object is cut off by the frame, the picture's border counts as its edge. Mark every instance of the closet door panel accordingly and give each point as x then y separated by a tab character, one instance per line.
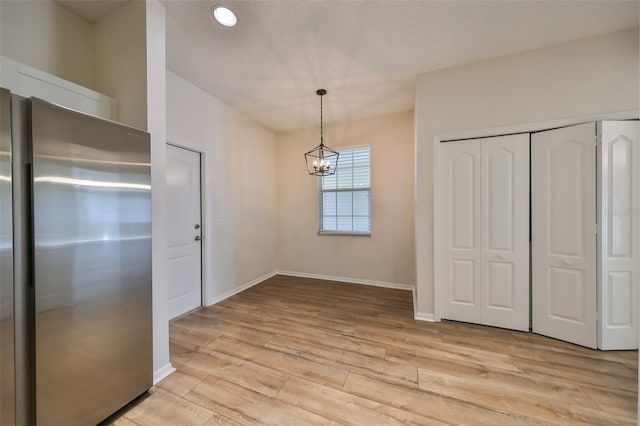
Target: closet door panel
505	231
460	230
563	234
620	234
501	282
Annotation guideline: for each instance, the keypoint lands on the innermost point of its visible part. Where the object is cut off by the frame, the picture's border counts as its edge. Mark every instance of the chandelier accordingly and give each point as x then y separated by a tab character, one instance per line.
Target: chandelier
321	160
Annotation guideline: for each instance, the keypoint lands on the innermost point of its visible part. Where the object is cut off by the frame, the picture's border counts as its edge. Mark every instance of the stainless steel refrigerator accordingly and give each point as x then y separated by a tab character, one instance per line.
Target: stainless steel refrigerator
75	255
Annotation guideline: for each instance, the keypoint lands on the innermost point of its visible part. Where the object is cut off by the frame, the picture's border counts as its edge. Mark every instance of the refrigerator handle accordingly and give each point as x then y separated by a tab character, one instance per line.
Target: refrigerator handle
29	231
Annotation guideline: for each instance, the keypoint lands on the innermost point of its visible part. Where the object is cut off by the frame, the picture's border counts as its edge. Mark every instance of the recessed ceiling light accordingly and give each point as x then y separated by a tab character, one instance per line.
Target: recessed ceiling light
225	16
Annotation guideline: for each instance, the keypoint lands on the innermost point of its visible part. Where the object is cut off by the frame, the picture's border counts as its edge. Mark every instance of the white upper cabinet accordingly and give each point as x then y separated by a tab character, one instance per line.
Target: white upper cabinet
27	81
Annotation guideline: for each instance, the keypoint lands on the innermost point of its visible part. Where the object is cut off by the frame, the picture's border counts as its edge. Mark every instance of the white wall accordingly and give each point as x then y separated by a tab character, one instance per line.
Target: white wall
239	226
48	37
121	61
589	77
156	110
388	254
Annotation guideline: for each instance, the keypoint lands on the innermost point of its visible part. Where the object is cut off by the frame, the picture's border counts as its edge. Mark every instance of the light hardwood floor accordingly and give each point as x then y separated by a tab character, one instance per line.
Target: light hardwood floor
300	351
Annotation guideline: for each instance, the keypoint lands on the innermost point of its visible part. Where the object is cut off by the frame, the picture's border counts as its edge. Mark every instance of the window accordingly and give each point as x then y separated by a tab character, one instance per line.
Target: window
345	197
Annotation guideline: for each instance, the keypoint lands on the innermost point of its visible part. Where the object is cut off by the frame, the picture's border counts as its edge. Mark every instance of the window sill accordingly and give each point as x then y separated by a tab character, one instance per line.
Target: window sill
347	233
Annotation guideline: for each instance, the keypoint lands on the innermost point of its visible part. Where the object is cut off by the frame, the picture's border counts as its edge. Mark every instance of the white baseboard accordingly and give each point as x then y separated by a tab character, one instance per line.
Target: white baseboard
424	317
347	280
162	373
243	287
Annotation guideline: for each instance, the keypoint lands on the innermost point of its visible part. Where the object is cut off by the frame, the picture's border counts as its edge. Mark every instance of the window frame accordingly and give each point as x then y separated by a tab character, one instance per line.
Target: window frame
350	190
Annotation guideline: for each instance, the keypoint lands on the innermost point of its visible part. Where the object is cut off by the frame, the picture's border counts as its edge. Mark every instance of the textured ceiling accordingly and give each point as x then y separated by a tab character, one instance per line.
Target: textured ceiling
91	10
365	53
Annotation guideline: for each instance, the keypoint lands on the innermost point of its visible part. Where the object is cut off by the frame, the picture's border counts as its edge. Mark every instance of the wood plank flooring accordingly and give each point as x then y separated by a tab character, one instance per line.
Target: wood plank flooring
295	351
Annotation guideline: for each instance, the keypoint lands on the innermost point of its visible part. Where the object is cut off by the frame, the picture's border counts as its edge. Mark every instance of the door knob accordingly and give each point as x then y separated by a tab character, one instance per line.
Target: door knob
198	238
501	256
196	226
566	262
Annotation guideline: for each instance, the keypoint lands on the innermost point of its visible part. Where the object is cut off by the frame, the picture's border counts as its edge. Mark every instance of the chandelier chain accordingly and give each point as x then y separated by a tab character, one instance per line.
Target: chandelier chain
321	132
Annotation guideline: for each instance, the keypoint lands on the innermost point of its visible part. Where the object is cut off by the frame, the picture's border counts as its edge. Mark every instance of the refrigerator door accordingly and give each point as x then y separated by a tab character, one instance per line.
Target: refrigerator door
7	358
92	265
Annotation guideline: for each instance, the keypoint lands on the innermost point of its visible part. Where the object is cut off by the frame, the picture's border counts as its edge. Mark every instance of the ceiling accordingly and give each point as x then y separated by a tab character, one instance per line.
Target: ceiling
91	10
365	53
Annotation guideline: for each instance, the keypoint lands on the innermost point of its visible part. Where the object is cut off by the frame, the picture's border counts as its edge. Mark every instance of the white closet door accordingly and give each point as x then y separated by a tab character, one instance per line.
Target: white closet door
563	234
620	234
459	268
484	218
505	231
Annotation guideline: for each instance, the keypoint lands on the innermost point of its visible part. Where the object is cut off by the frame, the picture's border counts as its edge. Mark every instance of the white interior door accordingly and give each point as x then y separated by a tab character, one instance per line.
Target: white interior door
459	267
184	251
563	233
505	231
619	240
484	244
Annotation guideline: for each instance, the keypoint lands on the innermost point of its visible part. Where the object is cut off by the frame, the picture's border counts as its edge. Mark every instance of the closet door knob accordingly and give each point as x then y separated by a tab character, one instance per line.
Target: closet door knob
566	262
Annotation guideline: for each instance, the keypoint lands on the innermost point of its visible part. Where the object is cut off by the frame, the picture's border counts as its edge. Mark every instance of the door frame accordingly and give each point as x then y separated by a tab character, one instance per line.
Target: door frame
484	133
203	202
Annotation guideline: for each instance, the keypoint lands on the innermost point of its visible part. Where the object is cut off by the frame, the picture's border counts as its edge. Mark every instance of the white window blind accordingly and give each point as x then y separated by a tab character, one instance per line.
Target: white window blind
345	197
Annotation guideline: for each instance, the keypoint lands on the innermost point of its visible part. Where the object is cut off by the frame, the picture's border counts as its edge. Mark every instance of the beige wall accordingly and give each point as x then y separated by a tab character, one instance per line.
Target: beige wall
239	226
586	78
388	254
48	37
121	61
